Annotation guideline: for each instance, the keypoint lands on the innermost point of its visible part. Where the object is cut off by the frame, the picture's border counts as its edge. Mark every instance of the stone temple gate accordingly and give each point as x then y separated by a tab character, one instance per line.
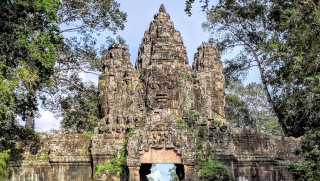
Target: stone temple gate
161	94
161	111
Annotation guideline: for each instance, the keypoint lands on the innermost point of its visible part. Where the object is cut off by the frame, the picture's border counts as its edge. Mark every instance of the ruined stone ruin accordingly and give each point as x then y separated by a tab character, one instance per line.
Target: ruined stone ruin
160	111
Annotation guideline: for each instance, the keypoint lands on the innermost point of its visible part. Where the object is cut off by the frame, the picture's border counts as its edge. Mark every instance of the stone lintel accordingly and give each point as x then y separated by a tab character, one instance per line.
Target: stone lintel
161	156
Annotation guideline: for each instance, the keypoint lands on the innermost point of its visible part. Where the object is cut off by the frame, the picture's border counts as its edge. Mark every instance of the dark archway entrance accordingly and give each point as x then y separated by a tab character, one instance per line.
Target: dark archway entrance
160	156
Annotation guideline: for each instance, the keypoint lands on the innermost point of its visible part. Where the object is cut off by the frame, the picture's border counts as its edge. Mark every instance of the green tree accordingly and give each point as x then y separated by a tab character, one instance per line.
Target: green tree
28	38
36	60
294	73
308	169
280	39
247	107
210	169
4	156
85	19
80	109
79	54
172	174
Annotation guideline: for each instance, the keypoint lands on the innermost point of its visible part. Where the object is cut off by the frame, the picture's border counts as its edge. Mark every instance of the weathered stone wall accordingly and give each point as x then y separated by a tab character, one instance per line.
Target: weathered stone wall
250	156
160	108
56	157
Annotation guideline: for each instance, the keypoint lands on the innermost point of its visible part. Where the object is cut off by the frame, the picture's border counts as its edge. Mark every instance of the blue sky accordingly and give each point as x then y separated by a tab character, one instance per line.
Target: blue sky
140	14
161	172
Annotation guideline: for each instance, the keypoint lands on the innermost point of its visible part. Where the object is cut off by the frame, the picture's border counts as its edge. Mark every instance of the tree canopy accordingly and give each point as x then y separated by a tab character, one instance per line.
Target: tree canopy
247	107
281	39
28	38
38	60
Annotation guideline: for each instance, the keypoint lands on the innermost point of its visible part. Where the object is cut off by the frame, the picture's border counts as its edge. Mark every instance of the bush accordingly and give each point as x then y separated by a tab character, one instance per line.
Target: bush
308	169
4	156
213	170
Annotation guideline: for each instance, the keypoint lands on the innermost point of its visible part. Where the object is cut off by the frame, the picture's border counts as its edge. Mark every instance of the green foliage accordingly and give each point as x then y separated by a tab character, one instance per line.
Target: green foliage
281	39
180	123
37	61
189	6
80	107
89	135
137	74
295	79
195	113
4	156
172	174
217	121
115	166
91	15
77	56
205	4
211	169
28	39
247	107
308	169
130	133
184	75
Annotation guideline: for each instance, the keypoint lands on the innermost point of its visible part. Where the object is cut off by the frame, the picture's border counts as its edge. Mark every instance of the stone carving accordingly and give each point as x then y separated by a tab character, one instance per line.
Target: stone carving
161	91
133	147
162	9
168	104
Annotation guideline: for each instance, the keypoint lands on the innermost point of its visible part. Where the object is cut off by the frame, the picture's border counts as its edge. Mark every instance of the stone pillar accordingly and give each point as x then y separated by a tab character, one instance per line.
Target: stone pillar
134	173
190	173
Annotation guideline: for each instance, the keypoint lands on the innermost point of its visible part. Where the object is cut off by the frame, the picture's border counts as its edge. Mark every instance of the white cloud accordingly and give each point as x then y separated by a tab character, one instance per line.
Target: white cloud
161	172
157	175
46	121
140	14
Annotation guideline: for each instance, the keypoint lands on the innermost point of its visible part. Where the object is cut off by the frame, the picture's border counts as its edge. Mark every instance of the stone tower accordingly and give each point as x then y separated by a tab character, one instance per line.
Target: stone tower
162	99
160	111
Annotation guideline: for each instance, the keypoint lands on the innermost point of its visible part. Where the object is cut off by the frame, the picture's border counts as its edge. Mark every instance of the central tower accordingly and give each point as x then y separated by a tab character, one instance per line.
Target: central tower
158	109
160	58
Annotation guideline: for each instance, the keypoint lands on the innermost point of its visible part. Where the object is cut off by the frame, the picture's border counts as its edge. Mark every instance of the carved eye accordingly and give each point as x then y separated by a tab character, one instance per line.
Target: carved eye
170	85
154	86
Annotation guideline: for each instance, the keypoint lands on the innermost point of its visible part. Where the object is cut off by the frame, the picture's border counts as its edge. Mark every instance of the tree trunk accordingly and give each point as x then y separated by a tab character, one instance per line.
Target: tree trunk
30	119
267	92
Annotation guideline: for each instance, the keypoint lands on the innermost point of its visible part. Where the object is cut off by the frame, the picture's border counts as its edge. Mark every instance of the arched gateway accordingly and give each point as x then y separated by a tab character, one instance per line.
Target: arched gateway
161	111
161	143
161	100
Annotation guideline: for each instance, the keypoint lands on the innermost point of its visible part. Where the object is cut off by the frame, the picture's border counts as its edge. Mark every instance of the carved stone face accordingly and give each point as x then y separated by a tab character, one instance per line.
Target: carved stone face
161	91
